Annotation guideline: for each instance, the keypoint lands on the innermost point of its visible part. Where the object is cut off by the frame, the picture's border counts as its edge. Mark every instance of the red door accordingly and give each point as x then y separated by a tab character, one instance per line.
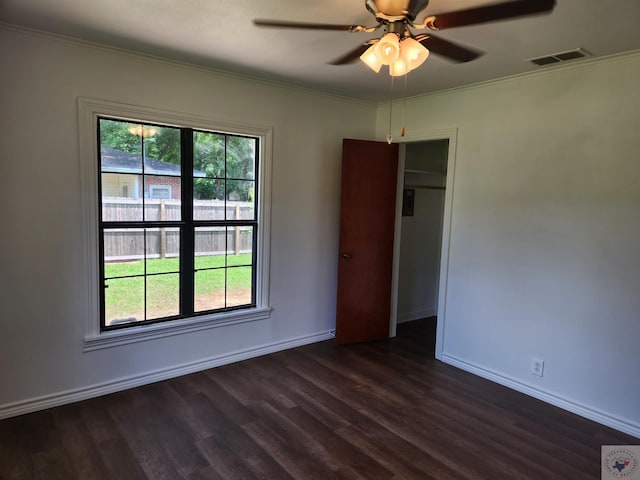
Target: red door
367	214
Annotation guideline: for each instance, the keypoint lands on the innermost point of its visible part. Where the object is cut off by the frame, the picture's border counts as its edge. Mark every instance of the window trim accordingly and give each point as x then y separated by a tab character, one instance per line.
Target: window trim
89	110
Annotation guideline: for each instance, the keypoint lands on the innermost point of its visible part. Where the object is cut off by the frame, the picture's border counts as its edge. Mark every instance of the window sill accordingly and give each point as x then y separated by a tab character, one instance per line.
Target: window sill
144	333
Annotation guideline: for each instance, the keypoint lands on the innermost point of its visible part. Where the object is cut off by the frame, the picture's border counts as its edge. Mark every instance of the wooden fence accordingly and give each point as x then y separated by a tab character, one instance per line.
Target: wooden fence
133	243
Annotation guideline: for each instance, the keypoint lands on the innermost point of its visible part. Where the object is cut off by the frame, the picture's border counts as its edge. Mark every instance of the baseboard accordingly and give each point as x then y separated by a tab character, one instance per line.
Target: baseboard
70	396
416	315
620	424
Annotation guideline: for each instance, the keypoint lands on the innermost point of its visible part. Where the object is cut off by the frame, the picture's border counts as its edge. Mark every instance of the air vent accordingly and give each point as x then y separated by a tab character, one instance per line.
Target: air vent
560	57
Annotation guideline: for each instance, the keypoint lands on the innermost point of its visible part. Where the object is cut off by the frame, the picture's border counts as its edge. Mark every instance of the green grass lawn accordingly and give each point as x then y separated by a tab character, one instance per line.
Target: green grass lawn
125	297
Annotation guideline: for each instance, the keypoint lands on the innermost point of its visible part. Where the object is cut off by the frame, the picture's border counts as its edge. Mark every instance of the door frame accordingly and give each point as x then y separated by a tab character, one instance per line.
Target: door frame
451	135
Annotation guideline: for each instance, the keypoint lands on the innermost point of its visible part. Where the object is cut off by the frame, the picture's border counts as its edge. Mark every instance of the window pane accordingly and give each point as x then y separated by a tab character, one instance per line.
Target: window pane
124	245
208	155
162	198
120	198
239	246
240	190
124	300
163	295
120	150
161	147
209	290
241	154
208	189
208	203
235	210
202	262
239	286
245	211
163	250
210	247
120	185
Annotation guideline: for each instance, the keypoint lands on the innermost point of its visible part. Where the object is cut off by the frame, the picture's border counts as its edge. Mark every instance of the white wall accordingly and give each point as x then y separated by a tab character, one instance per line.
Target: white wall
41	310
421	235
544	248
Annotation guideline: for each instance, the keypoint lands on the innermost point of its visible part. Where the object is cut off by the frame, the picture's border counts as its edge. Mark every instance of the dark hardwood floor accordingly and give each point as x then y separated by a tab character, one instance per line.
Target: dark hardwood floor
375	411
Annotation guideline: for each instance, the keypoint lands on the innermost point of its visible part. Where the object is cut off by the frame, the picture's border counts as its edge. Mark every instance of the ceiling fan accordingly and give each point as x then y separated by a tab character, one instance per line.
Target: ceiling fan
401	48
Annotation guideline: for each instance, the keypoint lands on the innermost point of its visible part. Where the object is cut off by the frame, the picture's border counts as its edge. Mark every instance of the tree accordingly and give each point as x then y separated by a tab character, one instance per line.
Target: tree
163	145
114	134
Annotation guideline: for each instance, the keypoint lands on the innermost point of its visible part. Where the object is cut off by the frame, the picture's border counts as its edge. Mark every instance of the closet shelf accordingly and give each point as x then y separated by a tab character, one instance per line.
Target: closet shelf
424	172
427	187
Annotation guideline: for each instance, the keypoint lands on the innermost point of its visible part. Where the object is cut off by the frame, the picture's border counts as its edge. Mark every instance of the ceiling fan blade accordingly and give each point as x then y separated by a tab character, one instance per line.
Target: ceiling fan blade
303	25
448	49
351	56
494	12
415	7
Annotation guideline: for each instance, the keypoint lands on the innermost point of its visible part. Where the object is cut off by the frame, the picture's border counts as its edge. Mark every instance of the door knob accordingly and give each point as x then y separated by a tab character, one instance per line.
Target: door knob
345	255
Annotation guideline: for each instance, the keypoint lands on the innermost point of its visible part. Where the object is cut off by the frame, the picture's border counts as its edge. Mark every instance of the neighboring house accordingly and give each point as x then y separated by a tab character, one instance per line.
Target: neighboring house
124	176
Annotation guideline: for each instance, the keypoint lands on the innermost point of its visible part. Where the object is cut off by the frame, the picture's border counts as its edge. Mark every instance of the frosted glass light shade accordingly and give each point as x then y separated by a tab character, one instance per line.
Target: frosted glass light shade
402	56
413	53
388	49
399	67
370	59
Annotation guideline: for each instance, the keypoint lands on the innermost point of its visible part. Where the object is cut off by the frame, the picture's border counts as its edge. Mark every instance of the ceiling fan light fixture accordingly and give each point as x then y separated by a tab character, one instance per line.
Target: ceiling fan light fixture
399	43
388	49
142	131
402	56
370	59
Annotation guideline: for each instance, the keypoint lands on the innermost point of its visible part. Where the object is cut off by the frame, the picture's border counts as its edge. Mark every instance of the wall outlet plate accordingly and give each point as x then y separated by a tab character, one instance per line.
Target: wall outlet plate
537	366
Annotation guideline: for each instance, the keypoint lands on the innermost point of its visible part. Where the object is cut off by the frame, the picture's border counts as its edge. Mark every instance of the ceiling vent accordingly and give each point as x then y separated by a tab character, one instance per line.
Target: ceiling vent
560	57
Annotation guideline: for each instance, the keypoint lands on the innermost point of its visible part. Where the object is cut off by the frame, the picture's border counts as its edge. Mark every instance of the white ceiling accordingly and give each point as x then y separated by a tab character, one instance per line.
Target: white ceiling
220	34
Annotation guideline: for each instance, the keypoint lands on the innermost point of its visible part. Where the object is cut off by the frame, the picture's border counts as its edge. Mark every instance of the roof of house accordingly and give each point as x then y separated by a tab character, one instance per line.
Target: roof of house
116	161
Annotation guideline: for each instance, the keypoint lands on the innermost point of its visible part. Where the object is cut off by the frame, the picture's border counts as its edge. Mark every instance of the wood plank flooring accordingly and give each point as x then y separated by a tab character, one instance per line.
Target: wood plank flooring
383	410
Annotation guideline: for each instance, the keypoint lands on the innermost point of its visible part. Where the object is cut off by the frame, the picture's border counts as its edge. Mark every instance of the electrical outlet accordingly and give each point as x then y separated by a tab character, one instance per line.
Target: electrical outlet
537	367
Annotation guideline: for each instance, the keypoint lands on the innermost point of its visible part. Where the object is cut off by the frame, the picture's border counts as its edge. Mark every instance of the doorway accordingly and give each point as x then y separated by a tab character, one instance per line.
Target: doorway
425	175
421	252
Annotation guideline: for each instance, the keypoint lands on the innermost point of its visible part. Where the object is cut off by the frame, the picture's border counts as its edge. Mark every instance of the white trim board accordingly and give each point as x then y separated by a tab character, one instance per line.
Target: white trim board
604	418
70	396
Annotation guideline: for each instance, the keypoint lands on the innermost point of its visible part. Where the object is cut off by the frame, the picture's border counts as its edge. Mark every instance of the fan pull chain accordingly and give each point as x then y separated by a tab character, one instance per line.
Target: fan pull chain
404	104
389	137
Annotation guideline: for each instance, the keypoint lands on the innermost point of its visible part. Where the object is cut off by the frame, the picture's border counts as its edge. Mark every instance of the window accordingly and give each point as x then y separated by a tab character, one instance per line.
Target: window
164	260
179	241
159	191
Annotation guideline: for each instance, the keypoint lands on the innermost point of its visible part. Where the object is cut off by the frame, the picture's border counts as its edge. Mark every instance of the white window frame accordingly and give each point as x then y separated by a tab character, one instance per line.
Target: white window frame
89	110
